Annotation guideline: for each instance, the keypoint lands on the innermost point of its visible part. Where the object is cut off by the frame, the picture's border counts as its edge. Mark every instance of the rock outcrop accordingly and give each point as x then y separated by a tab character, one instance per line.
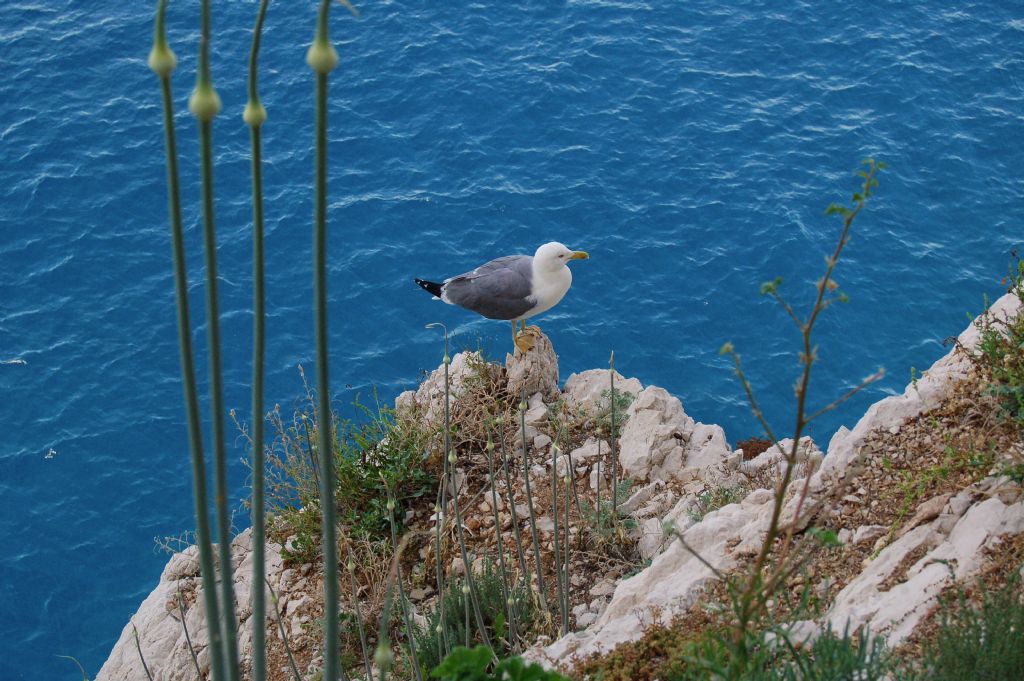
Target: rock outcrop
164	636
676	465
947	542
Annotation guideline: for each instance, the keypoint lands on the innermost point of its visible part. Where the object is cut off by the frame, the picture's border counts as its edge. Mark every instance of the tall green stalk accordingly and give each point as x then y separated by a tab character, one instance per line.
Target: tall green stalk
162	61
406	614
359	616
529	505
516	532
254	116
205	105
614	444
442	499
565	576
500	544
322	58
559	587
472	594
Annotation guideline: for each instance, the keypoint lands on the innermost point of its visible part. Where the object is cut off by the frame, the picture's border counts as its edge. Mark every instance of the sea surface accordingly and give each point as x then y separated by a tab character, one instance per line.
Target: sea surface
690	147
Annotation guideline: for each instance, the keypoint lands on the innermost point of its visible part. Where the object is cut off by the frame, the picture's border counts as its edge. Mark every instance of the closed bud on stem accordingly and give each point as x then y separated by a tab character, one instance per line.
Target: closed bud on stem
391	504
465	588
383	657
204	103
162	60
254	114
447	359
452	458
351	565
322	57
490	445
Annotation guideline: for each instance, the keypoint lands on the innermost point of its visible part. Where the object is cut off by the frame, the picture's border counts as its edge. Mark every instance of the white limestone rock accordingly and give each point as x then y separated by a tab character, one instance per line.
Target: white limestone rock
671	584
590	451
775	456
587	389
660	441
535	371
895	612
158	621
652	444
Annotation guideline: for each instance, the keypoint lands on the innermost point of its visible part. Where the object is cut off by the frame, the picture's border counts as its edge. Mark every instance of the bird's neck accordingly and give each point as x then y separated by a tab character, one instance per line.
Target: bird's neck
551	281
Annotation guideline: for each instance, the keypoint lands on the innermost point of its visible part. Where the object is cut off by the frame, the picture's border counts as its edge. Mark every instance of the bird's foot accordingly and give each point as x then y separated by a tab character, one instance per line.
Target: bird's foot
527	338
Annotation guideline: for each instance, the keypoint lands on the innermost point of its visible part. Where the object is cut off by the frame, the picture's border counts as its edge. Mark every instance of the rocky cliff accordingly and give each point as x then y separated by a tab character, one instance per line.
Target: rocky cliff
899	551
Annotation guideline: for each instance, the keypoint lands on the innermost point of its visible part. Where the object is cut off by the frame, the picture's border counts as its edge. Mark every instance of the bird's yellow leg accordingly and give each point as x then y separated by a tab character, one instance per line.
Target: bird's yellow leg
521	339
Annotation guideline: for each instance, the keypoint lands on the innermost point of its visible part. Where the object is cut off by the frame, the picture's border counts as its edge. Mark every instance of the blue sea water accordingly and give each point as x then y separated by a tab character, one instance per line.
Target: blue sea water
690	147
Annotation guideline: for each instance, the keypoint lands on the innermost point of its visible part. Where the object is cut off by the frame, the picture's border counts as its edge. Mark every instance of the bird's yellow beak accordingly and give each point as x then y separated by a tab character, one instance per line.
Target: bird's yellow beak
579	255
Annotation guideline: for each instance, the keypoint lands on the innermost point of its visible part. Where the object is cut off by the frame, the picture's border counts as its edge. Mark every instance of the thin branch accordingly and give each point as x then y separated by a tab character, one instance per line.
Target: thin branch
877	376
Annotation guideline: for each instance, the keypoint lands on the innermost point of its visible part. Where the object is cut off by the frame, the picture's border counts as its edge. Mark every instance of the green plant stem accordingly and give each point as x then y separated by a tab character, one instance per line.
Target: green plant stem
311	451
200	497
559	586
500	545
204	105
188	639
529	506
516	532
332	662
284	634
138	647
755	592
407	616
258	595
614	439
565	578
442	514
473	595
359	618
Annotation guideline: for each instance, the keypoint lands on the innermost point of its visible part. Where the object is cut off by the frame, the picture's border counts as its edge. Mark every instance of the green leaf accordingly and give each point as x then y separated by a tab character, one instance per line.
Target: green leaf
825	537
499	625
770	287
464	664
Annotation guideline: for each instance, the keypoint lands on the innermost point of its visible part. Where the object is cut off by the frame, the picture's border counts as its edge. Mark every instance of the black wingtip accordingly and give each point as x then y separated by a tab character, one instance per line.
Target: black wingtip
430	287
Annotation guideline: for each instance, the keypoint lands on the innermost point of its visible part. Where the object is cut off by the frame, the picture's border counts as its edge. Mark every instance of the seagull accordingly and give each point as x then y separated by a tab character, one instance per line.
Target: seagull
514	288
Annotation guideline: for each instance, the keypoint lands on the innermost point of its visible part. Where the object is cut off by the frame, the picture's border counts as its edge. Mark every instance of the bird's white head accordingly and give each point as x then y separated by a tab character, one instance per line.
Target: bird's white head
551	256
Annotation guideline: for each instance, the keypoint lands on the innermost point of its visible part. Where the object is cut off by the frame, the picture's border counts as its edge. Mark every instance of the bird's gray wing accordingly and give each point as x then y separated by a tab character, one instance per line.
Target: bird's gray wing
499	289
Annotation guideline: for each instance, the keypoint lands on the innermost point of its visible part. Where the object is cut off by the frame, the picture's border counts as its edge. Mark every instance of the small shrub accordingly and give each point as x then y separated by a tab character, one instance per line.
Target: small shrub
771	656
603	417
372	456
983	642
471	664
493	607
1001	353
715	498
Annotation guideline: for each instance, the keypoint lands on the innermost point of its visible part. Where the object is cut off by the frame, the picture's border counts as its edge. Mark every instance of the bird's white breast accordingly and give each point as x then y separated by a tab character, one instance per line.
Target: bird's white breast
548	289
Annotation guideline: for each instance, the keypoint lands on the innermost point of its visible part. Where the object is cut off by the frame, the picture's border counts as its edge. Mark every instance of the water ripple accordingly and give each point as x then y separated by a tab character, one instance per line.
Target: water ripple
690	148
